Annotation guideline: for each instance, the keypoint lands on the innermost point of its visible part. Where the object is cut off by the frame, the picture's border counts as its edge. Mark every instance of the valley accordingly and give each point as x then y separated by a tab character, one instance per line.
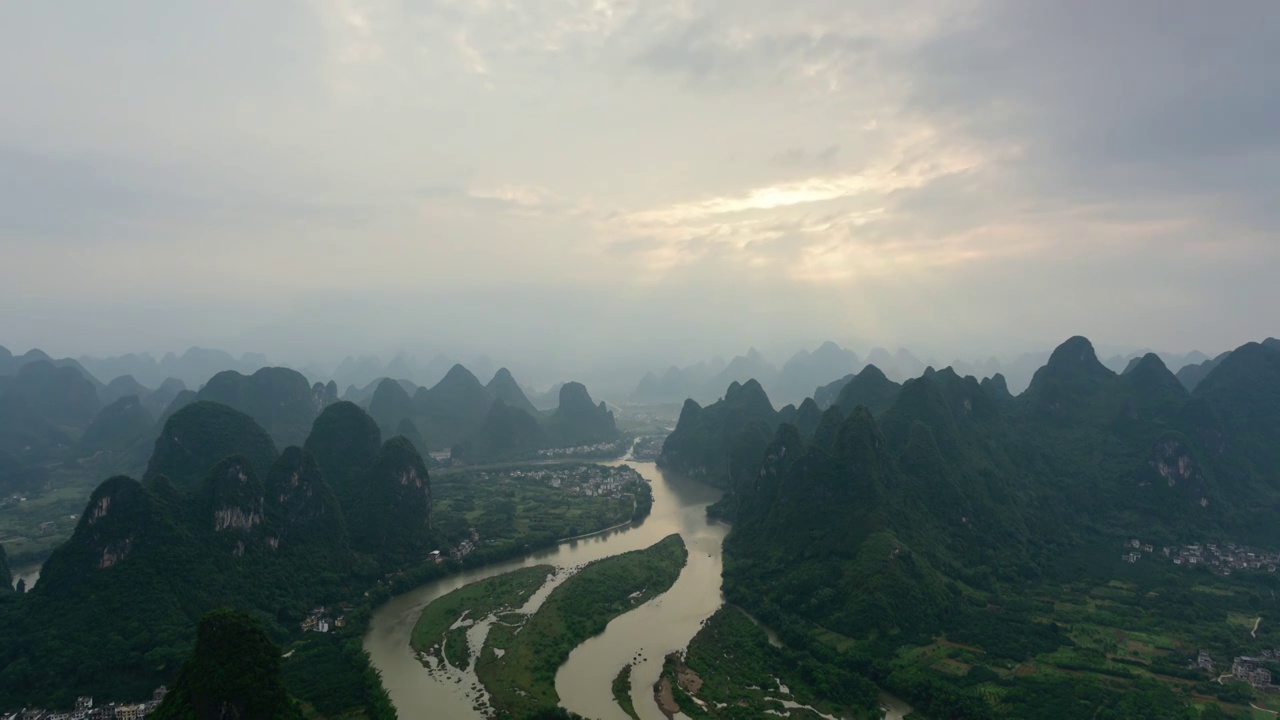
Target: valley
651	630
619	360
929	539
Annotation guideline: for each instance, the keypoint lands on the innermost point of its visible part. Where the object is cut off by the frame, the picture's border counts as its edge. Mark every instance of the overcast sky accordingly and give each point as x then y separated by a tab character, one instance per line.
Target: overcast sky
575	178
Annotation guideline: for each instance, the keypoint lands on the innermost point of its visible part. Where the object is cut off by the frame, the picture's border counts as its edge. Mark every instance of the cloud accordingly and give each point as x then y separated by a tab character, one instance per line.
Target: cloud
985	157
799	157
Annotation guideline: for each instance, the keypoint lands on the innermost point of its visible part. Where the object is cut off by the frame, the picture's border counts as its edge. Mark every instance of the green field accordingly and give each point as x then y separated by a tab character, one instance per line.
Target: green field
494	596
522	680
622	692
20	521
730	670
518	504
1060	650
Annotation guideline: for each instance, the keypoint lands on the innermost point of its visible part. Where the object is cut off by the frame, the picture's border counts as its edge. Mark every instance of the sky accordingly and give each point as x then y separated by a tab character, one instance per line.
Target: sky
569	179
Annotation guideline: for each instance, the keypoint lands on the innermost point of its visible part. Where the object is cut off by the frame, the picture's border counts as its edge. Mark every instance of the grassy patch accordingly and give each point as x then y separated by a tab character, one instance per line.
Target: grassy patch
622	692
730	671
432	633
522	681
534	504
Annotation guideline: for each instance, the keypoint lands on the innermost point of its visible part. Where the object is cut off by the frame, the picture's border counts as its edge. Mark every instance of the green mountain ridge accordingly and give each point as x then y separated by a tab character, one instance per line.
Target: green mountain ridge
577	420
200	435
272	542
233	672
279	399
870	513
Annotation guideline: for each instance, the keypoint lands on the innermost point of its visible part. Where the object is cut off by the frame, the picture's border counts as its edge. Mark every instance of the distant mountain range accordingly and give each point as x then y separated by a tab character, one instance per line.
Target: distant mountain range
806	373
490	421
357	376
55	412
197	366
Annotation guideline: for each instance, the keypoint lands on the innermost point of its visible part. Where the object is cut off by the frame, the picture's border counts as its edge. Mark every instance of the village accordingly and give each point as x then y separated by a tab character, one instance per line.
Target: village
1246	669
86	710
1219	559
612	448
590	480
323	619
583	480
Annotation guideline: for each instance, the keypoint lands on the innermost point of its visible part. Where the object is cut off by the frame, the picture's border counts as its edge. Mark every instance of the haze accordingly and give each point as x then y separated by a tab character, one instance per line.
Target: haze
592	179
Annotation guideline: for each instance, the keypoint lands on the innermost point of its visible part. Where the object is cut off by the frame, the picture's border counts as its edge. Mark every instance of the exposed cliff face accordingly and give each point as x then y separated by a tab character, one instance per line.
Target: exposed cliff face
1173	466
236	505
120	521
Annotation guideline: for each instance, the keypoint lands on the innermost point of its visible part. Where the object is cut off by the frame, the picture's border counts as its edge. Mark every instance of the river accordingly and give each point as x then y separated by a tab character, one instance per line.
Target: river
643	636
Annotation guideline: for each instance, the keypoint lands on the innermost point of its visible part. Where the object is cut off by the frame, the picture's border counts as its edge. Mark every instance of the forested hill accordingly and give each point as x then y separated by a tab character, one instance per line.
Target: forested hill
233	672
6	577
861	523
497	421
254	530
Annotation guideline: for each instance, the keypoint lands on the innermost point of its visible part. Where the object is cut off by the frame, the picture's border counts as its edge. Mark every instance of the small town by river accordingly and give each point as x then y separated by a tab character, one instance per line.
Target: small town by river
643	636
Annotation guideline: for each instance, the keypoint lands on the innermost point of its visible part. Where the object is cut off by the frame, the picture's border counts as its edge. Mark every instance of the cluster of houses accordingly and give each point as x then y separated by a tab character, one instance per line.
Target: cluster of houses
593	480
85	710
1221	559
1204	662
466	547
1251	670
323	620
613	447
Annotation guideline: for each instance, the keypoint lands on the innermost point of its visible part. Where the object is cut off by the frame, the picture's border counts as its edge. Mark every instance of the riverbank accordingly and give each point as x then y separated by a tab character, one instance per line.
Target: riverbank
521	678
442	631
678	507
640	639
731	669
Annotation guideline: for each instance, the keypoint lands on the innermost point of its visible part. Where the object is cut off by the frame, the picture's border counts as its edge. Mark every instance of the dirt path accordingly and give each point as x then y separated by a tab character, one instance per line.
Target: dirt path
1256	623
1255	707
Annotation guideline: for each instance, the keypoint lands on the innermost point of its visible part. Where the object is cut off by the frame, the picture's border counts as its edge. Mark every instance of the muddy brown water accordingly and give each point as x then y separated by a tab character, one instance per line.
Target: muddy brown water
642	637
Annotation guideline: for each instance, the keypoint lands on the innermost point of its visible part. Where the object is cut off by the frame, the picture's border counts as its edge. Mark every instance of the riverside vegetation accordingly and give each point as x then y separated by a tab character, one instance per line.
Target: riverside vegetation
346	519
519	660
440	630
962	546
942	538
730	670
621	688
